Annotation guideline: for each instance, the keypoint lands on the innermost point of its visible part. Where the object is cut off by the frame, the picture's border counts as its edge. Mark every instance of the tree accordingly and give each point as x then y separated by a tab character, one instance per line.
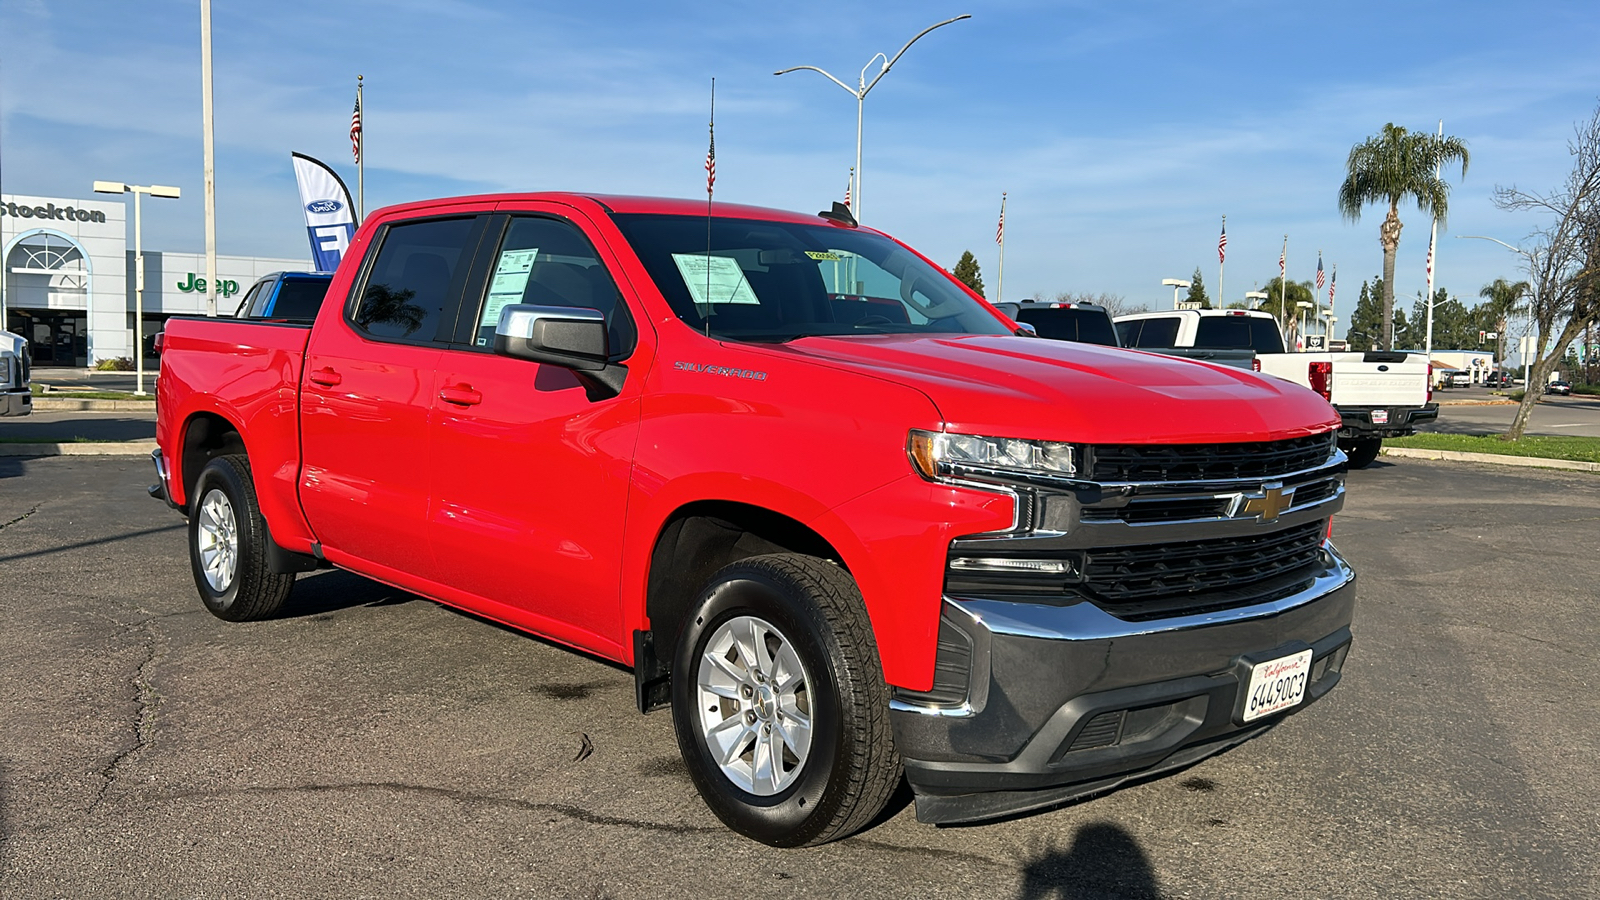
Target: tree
967	273
1504	300
1287	313
1563	261
1389	167
1454	327
1115	304
1366	322
1197	290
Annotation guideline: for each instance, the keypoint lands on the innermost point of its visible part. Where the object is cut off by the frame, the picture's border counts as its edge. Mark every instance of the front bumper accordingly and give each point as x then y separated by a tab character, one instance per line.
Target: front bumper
1065	701
1355	422
16	403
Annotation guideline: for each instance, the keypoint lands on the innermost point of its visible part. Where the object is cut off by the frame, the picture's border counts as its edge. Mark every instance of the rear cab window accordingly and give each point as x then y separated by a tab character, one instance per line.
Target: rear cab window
413	279
1238	333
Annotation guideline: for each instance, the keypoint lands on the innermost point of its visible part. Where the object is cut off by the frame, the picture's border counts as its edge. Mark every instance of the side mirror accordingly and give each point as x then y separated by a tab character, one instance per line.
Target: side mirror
563	336
1028	329
559	335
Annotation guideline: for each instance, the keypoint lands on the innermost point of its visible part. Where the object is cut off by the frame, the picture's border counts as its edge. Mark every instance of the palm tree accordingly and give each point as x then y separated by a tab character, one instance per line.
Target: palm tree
1504	299
1391	166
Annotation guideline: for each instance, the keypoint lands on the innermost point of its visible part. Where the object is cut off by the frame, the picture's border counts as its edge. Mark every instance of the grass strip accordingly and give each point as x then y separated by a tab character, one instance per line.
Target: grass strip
1542	446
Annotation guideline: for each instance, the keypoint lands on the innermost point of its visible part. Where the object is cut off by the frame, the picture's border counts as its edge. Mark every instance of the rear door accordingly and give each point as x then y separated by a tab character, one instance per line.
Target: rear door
368	392
529	494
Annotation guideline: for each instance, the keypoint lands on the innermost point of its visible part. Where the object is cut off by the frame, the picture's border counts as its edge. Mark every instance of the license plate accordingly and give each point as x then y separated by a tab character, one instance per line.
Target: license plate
1277	685
1380	417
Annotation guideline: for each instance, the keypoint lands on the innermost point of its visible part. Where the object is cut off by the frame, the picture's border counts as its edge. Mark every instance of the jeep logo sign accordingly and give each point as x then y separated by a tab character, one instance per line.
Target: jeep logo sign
225	288
324	206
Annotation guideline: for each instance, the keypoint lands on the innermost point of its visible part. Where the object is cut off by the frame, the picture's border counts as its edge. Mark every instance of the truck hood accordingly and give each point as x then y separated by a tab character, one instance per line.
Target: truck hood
1083	393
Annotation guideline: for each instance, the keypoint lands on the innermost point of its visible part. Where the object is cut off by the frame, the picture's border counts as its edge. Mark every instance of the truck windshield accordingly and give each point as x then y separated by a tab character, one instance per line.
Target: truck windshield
760	280
1238	333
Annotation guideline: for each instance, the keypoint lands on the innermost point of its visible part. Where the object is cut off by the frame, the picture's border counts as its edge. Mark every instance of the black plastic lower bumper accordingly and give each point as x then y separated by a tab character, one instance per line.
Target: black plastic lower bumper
1357	422
1063	702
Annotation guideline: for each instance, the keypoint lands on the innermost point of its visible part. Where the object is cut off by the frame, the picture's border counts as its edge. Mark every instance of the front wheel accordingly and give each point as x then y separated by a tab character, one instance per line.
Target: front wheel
1363	452
779	702
228	544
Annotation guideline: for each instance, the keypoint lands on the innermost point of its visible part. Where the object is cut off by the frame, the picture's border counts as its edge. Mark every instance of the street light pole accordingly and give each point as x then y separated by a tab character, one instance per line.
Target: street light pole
861	89
154	190
1522	349
1176	284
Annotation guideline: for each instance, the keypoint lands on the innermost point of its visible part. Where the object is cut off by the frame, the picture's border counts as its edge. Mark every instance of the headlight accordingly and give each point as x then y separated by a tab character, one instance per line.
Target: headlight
938	454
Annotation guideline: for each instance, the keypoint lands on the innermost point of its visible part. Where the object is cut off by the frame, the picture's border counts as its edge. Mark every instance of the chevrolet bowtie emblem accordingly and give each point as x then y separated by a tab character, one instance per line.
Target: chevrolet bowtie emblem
1265	505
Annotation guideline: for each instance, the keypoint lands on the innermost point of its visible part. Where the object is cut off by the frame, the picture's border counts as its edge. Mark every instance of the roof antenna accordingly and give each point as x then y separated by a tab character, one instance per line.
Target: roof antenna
841	214
711	181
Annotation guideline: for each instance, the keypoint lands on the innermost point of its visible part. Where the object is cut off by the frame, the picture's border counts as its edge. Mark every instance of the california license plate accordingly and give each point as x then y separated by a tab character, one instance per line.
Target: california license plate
1276	685
1380	417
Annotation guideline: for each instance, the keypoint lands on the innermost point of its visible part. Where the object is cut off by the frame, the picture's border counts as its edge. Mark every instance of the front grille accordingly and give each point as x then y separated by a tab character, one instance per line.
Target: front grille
1154	580
1207	462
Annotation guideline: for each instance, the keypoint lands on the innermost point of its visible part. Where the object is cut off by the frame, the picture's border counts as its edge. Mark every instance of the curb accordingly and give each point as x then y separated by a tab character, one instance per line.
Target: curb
62	403
80	448
1534	462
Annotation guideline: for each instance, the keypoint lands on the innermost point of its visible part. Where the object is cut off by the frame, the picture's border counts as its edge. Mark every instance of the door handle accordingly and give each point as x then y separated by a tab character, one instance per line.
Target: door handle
324	376
461	395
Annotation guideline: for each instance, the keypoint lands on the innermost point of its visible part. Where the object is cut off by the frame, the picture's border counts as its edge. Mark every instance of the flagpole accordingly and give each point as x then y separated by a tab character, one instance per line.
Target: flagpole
1222	268
1433	238
206	121
711	181
1283	282
361	155
1000	285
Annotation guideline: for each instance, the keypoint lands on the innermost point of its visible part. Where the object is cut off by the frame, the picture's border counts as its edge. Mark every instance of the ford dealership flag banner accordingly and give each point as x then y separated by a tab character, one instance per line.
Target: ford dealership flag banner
330	219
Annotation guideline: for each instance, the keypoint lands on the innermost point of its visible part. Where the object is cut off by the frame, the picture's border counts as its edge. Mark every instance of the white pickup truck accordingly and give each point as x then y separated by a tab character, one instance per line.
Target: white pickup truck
1378	393
15	396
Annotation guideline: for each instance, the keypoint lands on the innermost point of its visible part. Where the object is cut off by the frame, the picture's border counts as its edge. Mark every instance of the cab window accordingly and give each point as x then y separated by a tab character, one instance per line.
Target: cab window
549	262
413	279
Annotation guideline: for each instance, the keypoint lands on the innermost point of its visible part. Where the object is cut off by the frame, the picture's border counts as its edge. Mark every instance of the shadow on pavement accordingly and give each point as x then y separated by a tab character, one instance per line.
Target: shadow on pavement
1104	861
331	590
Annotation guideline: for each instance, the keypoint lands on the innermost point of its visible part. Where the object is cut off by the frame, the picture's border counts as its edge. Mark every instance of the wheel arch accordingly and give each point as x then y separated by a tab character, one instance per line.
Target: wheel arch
206	436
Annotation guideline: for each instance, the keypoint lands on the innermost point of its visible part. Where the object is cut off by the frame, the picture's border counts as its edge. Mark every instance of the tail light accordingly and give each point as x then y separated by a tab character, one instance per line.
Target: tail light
1430	383
1255	364
1320	376
161	338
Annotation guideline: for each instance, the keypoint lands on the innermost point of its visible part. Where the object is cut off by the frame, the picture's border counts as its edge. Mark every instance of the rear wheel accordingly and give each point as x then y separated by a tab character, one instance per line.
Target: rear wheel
1363	452
779	702
228	544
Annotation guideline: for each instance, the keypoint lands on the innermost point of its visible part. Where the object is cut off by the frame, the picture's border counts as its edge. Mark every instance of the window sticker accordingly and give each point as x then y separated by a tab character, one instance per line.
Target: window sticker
510	280
823	254
721	274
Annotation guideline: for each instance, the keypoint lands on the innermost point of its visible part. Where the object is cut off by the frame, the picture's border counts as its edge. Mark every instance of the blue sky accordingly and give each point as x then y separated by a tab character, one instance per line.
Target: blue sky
1122	132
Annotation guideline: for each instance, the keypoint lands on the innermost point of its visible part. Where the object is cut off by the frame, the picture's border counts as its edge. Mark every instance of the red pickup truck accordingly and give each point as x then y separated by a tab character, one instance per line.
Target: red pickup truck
832	508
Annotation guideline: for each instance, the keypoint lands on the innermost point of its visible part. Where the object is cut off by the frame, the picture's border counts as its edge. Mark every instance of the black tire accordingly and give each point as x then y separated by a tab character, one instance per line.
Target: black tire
1363	452
850	767
223	504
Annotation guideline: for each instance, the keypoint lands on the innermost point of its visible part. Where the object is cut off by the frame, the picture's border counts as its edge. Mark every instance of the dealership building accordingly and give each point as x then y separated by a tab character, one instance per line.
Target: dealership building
68	283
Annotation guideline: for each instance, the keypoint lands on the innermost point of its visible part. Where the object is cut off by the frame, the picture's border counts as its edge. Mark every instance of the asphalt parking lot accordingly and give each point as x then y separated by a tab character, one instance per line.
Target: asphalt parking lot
374	744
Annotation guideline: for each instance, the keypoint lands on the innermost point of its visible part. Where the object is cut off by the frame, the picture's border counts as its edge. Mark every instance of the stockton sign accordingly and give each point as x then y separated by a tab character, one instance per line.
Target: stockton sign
225	287
52	211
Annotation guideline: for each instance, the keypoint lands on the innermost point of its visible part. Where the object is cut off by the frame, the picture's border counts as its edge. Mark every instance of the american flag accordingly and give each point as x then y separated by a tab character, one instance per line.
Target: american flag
1319	271
1000	229
1430	257
847	189
1283	271
1222	243
1333	284
355	130
711	162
